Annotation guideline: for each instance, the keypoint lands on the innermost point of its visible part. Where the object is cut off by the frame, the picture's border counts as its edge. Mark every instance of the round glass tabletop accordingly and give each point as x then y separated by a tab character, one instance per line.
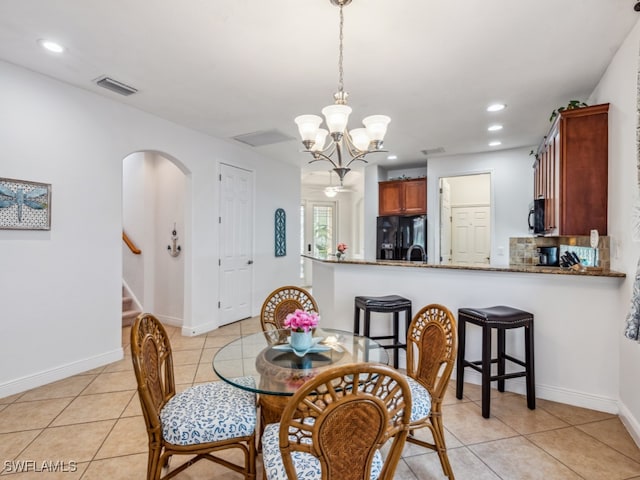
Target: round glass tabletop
278	370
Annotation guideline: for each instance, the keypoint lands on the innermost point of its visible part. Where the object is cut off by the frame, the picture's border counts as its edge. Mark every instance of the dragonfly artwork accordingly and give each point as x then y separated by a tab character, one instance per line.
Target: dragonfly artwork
23	197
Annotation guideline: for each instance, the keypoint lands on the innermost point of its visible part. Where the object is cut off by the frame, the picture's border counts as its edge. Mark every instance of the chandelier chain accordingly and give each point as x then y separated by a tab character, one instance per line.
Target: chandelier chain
340	69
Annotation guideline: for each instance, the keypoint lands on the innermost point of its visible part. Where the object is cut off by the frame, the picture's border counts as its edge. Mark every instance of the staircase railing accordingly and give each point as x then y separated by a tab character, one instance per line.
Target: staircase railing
135	250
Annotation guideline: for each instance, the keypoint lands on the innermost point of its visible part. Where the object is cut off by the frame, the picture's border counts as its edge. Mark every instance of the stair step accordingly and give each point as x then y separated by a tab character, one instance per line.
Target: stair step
128	316
127	303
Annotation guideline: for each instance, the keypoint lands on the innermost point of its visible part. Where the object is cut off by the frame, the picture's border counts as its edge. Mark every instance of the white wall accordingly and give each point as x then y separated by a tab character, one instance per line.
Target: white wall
169	191
62	300
470	190
133	224
619	87
511	191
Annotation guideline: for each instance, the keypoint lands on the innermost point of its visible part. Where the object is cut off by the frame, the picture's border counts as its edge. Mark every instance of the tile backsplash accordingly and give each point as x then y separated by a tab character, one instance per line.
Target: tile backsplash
523	251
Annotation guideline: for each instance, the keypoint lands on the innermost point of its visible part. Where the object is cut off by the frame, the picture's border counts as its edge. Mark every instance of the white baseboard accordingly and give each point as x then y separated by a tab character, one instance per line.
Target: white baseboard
553	393
136	302
173	321
194	330
631	423
23	384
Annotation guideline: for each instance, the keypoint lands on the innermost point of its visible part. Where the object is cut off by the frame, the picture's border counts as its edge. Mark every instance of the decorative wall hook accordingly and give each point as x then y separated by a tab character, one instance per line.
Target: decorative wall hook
174	250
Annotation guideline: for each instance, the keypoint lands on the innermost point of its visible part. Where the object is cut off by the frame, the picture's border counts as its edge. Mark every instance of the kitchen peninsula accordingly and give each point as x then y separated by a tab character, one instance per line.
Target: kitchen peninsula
574	331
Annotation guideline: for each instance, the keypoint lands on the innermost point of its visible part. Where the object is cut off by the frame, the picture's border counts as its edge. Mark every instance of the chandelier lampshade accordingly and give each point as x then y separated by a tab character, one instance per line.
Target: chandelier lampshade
345	145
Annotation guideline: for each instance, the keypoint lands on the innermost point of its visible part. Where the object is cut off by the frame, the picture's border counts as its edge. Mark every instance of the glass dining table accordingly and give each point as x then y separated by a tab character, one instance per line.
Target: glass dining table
279	371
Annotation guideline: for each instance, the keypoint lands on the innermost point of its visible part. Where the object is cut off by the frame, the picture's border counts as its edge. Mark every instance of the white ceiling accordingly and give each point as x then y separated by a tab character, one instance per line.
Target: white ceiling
231	67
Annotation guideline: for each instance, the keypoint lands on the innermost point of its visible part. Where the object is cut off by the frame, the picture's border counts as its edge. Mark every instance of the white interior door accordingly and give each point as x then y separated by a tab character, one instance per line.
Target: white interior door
445	221
471	239
236	243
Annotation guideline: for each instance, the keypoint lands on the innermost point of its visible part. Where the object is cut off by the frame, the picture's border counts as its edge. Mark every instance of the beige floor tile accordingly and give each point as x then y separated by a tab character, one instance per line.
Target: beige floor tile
184	373
466	422
48	470
585	455
129	467
69	387
90	408
186	357
129	435
251	325
94	371
72	442
231	329
121	365
570	414
473	392
403	472
10	398
424	434
205	469
613	433
179	342
208	354
12	444
513	411
112	382
205	373
217	342
465	465
31	415
519	459
134	408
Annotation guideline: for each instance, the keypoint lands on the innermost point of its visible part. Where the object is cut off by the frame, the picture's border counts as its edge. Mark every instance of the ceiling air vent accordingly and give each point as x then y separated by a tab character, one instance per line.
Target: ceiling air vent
432	151
116	86
266	137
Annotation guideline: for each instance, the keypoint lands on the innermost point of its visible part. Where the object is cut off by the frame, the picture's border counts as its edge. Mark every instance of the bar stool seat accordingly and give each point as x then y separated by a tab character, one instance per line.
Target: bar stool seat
385	304
501	318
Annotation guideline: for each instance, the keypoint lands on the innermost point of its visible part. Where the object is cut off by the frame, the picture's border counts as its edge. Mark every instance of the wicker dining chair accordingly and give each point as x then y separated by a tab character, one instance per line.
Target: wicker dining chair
199	421
283	301
335	425
431	352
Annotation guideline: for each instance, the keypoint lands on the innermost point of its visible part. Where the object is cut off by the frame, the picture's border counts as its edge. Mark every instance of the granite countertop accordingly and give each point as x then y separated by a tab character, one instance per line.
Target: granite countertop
588	272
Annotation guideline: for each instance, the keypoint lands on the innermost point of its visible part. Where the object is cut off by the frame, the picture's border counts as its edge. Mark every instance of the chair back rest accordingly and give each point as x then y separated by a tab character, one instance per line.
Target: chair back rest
343	416
153	366
283	301
432	345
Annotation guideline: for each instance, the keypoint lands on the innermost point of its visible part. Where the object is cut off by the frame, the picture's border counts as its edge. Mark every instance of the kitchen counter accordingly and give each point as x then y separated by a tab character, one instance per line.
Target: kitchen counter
578	319
588	272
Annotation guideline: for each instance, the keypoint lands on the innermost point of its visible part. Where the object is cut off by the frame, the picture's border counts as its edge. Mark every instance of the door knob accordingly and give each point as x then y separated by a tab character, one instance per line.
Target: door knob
249	262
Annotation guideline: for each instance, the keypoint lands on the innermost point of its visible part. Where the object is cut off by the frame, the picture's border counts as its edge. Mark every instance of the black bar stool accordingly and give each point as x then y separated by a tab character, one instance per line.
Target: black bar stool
387	304
500	318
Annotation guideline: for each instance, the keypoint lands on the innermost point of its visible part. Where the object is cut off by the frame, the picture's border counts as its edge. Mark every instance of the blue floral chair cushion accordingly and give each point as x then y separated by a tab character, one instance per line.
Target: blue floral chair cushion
307	466
420	400
209	413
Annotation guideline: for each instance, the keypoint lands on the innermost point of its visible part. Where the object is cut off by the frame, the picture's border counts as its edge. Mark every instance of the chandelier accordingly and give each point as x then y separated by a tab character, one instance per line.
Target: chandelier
345	146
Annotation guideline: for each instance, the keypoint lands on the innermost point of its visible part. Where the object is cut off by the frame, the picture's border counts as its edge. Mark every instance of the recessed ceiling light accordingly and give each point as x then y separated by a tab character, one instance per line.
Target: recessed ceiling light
494	128
496	107
51	46
495	143
392	157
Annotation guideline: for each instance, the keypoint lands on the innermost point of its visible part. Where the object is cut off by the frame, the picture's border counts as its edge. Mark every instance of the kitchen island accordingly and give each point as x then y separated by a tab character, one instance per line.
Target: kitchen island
578	317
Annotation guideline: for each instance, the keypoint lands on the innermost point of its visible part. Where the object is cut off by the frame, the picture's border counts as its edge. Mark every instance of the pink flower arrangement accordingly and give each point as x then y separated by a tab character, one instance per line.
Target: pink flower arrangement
342	247
301	321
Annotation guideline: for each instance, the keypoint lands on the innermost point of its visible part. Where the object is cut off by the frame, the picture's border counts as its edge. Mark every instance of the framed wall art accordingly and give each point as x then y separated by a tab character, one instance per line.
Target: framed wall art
24	205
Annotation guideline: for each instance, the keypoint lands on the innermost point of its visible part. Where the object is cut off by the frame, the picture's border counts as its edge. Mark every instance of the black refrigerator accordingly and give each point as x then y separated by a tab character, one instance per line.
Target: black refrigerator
396	234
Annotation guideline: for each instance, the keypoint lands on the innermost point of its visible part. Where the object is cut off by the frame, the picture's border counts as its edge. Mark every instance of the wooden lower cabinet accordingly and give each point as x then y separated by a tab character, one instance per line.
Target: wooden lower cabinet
571	172
402	197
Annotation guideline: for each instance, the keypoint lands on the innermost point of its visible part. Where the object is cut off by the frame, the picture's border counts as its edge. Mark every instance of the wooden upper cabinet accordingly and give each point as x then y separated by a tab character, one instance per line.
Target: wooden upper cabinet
402	197
571	172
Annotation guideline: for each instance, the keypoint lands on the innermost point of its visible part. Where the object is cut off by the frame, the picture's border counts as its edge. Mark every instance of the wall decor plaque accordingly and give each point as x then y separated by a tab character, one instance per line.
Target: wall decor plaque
24	205
280	233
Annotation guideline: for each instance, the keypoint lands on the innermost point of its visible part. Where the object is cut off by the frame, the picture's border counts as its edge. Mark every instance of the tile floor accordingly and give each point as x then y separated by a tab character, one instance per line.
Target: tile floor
94	419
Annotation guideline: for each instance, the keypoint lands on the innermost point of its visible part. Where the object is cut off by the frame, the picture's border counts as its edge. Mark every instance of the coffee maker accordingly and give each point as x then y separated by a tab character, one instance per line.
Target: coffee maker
548	256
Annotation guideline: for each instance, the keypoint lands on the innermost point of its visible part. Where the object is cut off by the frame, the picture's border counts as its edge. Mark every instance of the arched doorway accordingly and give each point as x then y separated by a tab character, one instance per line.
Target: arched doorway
154	206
